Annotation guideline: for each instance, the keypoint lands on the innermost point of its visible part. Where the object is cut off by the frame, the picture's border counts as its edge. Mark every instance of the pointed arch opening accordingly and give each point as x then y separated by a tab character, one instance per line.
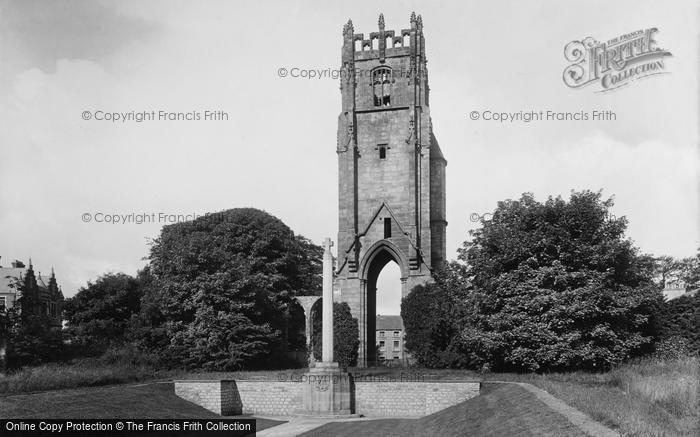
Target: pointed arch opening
383	255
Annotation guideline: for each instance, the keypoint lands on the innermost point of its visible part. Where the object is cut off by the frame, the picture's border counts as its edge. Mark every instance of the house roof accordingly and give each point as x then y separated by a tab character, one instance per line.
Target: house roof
389	323
8	275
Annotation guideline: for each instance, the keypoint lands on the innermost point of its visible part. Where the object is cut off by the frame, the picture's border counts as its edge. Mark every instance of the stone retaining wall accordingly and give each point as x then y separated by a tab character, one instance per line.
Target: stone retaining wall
410	399
372	399
219	396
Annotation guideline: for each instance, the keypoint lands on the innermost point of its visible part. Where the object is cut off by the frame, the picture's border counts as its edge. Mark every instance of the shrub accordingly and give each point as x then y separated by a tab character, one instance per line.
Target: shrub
431	332
556	286
674	347
346	335
223	284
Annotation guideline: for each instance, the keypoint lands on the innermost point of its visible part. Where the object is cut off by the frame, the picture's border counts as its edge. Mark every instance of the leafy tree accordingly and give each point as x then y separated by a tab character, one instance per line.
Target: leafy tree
346	335
430	313
222	286
30	337
666	269
555	286
689	271
99	314
680	317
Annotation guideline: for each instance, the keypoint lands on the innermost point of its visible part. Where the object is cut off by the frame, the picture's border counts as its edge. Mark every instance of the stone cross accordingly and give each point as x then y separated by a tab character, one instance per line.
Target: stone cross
327	331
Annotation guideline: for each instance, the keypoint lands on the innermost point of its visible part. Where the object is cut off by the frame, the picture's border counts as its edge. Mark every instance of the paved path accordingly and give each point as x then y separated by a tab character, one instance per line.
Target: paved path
578	418
299	425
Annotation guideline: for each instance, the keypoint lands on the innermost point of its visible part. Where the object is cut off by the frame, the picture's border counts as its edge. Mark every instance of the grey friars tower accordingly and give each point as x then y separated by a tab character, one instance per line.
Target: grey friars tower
391	172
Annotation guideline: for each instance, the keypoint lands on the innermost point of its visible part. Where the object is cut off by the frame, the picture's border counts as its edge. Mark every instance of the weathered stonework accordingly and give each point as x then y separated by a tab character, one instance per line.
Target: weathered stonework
391	171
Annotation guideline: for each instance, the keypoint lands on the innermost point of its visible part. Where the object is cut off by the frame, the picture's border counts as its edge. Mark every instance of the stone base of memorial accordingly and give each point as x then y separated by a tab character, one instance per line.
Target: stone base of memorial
327	392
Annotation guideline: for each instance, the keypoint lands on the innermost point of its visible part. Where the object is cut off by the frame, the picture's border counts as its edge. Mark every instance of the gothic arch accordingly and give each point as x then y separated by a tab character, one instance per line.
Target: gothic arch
376	258
377	253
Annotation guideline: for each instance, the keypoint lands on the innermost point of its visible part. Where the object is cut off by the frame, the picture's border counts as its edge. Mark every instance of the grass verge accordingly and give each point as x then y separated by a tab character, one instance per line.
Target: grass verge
83	373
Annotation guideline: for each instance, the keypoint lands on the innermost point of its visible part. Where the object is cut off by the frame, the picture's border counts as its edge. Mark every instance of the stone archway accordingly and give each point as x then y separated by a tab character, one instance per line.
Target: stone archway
376	258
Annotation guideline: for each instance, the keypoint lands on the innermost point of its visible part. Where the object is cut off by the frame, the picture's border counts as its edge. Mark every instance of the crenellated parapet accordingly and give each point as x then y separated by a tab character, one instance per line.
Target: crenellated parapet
383	43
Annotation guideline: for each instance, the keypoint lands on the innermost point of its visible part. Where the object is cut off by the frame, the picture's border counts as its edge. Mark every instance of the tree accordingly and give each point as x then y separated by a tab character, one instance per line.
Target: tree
556	286
99	314
430	313
346	335
680	317
222	286
30	337
666	269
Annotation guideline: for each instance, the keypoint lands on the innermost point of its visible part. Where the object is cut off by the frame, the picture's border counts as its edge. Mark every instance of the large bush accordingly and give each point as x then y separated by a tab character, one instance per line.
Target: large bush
556	285
680	321
223	285
429	316
99	314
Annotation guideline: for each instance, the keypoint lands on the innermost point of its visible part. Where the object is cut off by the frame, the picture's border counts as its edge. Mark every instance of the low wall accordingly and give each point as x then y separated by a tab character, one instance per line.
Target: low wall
229	397
217	395
270	398
410	399
371	399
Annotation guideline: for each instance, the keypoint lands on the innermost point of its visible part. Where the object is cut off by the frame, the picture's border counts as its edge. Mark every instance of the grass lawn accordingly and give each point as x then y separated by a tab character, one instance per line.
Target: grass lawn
500	410
649	398
145	401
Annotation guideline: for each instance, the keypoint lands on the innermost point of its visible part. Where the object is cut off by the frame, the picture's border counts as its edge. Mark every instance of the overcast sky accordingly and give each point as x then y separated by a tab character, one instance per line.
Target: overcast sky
276	151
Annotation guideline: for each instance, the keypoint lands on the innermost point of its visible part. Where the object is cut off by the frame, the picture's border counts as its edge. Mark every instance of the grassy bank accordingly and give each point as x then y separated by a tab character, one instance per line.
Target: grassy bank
652	397
82	373
649	398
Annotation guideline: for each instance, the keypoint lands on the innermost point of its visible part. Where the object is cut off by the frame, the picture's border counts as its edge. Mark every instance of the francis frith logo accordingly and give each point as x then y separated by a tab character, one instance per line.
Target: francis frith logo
616	62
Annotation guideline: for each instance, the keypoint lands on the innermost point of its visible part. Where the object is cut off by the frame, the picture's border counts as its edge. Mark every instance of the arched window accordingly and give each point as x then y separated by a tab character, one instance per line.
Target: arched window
381	86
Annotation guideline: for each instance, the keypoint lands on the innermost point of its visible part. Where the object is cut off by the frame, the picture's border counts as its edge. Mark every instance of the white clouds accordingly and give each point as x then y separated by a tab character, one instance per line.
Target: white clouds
654	185
279	144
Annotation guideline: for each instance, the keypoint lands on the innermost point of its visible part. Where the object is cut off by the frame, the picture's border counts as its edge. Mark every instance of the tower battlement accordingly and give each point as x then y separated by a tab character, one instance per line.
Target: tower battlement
383	43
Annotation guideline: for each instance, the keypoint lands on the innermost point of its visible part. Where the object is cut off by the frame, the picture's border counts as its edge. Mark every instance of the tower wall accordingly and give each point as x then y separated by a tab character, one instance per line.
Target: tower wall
391	172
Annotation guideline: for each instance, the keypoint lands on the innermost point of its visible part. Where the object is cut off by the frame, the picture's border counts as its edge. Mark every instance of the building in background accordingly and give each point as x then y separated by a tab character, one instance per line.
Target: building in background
390	340
46	292
677	288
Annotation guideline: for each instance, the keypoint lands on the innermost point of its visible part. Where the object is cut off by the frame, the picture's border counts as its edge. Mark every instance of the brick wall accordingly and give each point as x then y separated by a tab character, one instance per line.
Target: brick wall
372	399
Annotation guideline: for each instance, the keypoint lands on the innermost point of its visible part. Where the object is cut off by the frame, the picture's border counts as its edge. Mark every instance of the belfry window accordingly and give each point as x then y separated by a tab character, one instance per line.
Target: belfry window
382	151
381	86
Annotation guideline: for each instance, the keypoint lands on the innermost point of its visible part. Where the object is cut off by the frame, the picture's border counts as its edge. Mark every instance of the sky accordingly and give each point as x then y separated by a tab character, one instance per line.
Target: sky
62	175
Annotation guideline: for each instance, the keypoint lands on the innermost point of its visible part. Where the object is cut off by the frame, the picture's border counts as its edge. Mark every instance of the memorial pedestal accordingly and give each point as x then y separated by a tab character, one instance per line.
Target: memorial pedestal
327	391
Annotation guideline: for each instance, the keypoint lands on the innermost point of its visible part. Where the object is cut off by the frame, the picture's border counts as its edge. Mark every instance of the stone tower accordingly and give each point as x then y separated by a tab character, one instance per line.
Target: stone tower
391	172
